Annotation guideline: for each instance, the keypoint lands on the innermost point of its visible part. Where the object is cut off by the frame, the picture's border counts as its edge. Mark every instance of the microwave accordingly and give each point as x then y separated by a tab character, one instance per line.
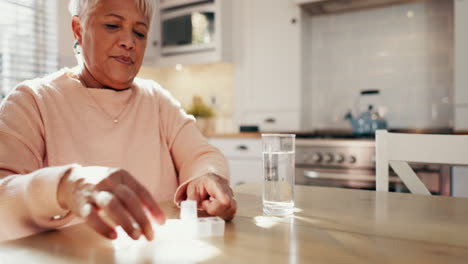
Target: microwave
188	29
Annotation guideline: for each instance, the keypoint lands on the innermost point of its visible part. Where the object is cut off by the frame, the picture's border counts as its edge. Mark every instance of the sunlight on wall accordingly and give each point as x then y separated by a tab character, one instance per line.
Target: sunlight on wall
208	81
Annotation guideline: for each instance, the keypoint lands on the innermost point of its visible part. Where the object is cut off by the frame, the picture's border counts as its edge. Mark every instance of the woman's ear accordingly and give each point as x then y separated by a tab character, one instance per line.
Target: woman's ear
76	28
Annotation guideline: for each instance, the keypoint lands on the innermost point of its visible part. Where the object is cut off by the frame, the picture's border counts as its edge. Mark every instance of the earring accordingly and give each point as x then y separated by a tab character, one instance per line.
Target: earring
76	47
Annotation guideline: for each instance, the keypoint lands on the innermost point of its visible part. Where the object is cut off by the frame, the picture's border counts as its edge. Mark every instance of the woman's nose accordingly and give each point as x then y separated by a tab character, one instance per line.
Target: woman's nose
127	41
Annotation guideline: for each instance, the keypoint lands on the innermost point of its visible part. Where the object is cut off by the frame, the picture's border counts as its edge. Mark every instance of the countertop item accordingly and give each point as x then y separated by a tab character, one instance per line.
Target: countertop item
330	226
366	122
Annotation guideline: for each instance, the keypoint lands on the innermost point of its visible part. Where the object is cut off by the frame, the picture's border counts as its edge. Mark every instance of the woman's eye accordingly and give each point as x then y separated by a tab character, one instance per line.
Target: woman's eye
140	35
111	26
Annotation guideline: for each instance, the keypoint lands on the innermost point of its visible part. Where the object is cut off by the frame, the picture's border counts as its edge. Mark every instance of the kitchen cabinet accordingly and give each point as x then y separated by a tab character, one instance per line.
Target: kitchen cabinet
267	59
460	174
461	52
175	3
320	7
460	181
244	157
461	65
461	117
301	2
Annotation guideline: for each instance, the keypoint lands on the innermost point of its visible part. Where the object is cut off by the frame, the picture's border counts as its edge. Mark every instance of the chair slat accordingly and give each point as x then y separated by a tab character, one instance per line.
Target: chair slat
409	178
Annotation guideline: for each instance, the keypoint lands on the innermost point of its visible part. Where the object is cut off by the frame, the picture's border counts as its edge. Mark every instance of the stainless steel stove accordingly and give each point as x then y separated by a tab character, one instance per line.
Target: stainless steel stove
349	162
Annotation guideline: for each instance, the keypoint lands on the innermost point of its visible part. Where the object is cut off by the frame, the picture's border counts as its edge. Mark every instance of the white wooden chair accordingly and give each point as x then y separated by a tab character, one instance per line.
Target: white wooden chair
397	149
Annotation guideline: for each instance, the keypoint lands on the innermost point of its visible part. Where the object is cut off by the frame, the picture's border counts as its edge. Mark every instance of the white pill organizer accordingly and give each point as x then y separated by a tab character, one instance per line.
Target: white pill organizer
189	225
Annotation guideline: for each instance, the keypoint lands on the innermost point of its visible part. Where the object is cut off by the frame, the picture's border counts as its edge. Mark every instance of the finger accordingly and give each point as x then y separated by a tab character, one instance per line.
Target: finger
153	207
132	204
217	191
146	198
231	212
215	208
192	193
94	221
112	206
195	193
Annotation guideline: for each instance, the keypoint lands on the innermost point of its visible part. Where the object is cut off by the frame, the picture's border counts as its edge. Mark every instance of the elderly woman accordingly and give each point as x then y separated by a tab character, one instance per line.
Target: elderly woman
94	142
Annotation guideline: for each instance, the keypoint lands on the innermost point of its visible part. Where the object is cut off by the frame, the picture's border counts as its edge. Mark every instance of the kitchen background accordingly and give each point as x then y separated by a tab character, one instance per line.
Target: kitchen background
299	65
406	51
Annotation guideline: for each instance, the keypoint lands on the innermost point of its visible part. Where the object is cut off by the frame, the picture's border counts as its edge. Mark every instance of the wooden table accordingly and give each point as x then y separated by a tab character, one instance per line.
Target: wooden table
330	226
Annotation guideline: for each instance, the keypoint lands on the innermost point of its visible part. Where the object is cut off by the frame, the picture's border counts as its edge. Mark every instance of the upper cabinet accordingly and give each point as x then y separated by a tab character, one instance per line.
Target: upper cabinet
267	59
165	4
461	65
461	52
191	32
318	7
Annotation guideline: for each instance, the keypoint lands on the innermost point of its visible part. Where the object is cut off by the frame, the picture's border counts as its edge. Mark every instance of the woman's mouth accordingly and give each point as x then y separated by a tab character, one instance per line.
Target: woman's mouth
124	60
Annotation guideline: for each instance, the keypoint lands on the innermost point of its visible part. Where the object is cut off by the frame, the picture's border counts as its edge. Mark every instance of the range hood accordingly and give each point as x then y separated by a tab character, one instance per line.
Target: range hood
320	7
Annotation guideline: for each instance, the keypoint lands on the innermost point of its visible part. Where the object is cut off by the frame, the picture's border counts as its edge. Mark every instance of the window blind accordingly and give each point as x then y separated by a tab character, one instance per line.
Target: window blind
28	41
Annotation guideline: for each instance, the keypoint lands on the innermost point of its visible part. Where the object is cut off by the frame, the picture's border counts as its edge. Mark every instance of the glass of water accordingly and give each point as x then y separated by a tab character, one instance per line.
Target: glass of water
278	173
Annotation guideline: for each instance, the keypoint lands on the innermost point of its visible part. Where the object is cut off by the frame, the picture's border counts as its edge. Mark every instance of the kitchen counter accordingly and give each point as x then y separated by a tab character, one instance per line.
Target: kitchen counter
334	134
235	135
330	226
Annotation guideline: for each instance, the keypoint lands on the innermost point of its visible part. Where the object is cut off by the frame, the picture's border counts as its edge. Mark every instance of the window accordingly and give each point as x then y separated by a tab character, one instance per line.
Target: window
28	41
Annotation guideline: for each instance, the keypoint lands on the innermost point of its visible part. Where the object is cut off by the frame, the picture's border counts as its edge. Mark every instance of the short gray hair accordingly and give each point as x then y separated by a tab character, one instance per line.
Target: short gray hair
82	7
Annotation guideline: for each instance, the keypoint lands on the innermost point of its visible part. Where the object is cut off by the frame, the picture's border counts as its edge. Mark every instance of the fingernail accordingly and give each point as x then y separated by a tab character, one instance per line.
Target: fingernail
136	226
150	235
113	235
136	234
160	219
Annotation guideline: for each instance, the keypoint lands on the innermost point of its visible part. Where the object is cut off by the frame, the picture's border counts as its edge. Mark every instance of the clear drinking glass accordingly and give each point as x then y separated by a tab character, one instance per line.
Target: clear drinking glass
278	173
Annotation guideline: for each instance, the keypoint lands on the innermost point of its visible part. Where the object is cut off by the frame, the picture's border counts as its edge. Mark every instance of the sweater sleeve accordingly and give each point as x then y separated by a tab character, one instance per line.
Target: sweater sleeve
192	155
28	192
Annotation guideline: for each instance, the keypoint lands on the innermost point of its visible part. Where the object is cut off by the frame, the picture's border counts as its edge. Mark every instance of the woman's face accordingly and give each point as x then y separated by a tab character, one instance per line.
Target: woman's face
113	41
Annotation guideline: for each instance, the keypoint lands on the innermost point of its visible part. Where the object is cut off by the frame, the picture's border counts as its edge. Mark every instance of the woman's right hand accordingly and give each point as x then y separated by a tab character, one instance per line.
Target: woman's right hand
90	191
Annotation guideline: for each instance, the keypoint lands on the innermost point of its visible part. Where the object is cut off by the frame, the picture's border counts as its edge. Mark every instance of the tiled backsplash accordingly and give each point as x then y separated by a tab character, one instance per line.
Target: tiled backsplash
406	51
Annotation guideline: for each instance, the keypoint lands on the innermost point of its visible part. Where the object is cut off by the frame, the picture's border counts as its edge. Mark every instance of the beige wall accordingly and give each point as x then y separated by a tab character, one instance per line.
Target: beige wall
208	81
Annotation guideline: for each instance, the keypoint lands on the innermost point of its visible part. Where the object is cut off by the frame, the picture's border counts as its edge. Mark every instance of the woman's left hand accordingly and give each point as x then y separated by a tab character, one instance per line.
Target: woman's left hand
213	195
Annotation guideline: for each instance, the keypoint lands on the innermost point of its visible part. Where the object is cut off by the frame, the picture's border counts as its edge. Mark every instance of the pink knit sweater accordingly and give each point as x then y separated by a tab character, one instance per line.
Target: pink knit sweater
49	124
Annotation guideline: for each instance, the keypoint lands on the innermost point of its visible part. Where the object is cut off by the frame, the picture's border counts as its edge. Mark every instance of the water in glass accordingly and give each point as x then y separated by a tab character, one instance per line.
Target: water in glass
278	190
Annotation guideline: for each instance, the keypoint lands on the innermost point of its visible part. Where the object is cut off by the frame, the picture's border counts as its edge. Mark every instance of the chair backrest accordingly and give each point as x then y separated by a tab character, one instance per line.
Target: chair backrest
397	149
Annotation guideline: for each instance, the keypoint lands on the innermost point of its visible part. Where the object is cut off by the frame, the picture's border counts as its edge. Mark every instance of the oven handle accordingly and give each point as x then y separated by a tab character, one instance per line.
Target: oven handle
311	174
340	176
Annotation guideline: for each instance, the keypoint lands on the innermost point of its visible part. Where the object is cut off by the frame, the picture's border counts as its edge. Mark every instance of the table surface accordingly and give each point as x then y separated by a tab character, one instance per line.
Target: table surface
330	226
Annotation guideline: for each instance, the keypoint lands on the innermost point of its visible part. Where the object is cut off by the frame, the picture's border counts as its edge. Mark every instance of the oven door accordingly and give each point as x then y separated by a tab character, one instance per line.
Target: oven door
342	178
437	181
